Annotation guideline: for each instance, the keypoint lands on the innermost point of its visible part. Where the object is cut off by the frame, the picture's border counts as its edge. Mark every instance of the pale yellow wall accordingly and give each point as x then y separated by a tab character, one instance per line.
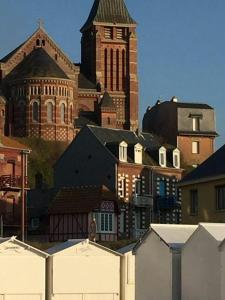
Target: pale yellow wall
21	272
85	269
206	203
128	276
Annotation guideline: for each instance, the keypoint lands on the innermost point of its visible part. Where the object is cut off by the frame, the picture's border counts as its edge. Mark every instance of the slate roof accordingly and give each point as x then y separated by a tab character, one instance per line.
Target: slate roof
111	138
80	199
84	83
108	11
107	101
212	167
86	118
193	105
37	64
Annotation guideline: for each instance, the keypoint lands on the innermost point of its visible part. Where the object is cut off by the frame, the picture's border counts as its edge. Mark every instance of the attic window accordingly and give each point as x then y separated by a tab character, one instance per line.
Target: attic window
108	33
162	157
123	151
38	43
138	153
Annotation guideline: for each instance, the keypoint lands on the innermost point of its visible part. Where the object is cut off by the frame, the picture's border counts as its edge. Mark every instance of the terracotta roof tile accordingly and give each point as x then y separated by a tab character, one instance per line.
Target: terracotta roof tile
80	199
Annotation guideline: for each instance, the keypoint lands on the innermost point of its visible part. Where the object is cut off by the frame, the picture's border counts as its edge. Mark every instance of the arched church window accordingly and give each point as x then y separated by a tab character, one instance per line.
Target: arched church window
109	121
43	42
38	42
49	112
63	113
35	112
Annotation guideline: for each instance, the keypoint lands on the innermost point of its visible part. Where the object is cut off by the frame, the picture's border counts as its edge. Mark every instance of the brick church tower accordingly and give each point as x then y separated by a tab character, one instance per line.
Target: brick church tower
109	57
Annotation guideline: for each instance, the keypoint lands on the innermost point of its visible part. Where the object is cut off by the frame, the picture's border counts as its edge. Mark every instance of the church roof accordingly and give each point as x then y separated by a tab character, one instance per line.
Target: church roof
108	11
38	64
107	101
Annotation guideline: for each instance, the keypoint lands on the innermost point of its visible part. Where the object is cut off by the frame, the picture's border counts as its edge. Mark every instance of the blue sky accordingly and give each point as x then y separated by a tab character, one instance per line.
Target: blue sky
181	44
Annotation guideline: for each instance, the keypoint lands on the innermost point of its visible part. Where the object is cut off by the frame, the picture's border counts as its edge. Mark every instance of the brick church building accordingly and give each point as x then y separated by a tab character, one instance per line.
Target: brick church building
51	97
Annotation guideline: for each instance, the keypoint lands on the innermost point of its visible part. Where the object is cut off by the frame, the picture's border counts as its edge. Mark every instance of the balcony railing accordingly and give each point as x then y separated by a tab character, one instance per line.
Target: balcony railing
8	182
166	203
142	200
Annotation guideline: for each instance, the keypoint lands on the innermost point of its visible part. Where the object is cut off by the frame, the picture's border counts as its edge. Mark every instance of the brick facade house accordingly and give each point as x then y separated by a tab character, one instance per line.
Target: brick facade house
140	172
47	93
13	180
188	126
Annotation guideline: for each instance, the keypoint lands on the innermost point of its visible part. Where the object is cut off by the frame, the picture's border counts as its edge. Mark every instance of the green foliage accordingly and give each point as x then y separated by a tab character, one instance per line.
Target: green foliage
43	156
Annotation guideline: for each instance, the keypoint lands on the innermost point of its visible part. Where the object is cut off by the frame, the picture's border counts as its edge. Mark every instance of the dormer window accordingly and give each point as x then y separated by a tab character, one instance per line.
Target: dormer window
162	157
123	151
195	123
138	154
176	158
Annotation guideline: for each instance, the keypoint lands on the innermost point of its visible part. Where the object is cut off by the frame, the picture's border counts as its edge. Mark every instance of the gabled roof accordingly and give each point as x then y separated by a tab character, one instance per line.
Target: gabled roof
216	230
13	239
126	249
8	56
37	64
173	235
80	199
71	243
108	11
211	168
111	138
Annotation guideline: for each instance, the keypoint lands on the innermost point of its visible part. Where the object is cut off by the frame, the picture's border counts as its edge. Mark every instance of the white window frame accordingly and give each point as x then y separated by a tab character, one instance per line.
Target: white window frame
195	123
123	151
176	155
105	222
162	152
138	154
122	187
195	147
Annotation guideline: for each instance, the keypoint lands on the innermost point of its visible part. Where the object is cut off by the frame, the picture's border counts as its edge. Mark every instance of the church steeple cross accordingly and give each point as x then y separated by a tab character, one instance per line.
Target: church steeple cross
40	23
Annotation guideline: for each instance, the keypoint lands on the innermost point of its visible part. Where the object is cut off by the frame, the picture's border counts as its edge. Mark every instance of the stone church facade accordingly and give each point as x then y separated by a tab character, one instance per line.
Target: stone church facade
51	97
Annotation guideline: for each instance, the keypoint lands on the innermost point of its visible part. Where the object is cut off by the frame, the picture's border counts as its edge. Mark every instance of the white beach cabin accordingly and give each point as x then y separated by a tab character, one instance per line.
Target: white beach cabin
22	271
158	262
202	263
81	269
127	272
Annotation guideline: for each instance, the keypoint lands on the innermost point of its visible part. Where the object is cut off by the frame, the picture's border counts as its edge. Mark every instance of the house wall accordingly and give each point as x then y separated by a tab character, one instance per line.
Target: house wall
206	149
222	266
200	265
184	120
19	268
206	203
153	270
10	206
85	162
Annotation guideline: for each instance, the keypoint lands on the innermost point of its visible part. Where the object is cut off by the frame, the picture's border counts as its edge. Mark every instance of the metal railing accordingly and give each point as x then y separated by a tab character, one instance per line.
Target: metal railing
142	200
14	182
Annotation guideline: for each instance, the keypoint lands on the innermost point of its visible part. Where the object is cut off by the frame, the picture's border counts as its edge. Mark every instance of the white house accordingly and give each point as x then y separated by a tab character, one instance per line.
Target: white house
203	263
158	262
79	269
22	272
127	272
